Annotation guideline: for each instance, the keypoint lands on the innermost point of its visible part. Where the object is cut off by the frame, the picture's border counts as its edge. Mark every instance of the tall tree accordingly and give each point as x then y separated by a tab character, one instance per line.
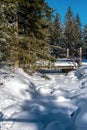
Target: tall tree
85	42
9	29
69	29
34	23
3	28
77	33
12	17
72	32
56	37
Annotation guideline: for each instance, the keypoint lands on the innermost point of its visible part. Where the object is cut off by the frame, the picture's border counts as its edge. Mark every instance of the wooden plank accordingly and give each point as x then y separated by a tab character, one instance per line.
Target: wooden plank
58	67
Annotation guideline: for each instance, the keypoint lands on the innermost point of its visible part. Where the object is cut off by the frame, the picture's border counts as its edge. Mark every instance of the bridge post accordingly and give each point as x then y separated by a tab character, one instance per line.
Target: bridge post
80	56
67	54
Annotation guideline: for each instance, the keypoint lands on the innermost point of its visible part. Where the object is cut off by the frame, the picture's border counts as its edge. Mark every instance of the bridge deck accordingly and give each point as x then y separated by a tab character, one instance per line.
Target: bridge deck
57	67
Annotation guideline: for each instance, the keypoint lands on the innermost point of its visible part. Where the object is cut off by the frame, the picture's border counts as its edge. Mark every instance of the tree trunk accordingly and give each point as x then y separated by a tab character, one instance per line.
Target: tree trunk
16	63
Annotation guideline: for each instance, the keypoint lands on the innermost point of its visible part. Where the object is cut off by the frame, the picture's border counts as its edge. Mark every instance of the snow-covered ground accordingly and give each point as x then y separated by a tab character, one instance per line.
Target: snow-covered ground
37	103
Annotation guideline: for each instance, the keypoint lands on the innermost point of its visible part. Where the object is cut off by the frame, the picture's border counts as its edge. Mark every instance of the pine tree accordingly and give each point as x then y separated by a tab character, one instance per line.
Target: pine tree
85	42
77	34
72	33
3	29
12	17
24	31
34	23
69	30
10	31
56	37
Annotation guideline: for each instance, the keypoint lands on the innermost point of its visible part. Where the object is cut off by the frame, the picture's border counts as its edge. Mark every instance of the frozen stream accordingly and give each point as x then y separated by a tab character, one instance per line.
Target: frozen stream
56	102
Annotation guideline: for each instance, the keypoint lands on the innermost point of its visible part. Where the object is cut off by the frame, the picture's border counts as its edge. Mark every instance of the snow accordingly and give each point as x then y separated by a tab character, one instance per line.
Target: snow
65	62
31	102
55	126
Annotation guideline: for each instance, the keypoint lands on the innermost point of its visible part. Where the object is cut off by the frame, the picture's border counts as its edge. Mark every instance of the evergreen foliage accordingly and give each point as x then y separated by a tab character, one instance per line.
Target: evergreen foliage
28	33
72	34
69	29
33	25
56	37
85	42
25	24
8	29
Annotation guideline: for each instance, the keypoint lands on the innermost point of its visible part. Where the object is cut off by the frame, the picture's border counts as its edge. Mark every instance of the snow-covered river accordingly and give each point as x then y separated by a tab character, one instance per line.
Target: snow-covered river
53	102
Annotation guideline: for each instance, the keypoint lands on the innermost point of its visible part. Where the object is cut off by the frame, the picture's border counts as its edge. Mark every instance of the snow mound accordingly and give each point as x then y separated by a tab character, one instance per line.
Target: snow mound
28	126
62	99
26	120
17	83
55	125
45	91
81	116
81	71
84	84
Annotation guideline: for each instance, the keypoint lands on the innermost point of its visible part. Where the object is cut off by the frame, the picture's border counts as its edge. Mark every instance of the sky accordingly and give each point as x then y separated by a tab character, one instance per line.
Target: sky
77	6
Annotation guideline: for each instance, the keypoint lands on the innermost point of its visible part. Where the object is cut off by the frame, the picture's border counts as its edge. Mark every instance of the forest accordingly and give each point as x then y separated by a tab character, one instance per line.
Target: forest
29	32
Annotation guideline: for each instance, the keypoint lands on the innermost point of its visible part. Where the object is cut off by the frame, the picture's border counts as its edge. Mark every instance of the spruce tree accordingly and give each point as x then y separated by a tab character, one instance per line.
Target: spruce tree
69	30
73	34
10	31
3	29
34	23
24	31
77	34
56	37
84	47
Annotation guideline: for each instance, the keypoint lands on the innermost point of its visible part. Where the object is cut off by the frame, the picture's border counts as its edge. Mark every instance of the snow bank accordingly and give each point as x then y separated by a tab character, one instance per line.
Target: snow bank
17	83
26	120
81	71
81	116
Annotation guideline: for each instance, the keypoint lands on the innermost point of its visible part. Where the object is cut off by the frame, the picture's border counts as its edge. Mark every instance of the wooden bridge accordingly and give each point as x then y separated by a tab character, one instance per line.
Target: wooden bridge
59	66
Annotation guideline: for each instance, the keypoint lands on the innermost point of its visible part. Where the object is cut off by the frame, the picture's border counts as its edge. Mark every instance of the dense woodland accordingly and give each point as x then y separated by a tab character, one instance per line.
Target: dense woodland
30	32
